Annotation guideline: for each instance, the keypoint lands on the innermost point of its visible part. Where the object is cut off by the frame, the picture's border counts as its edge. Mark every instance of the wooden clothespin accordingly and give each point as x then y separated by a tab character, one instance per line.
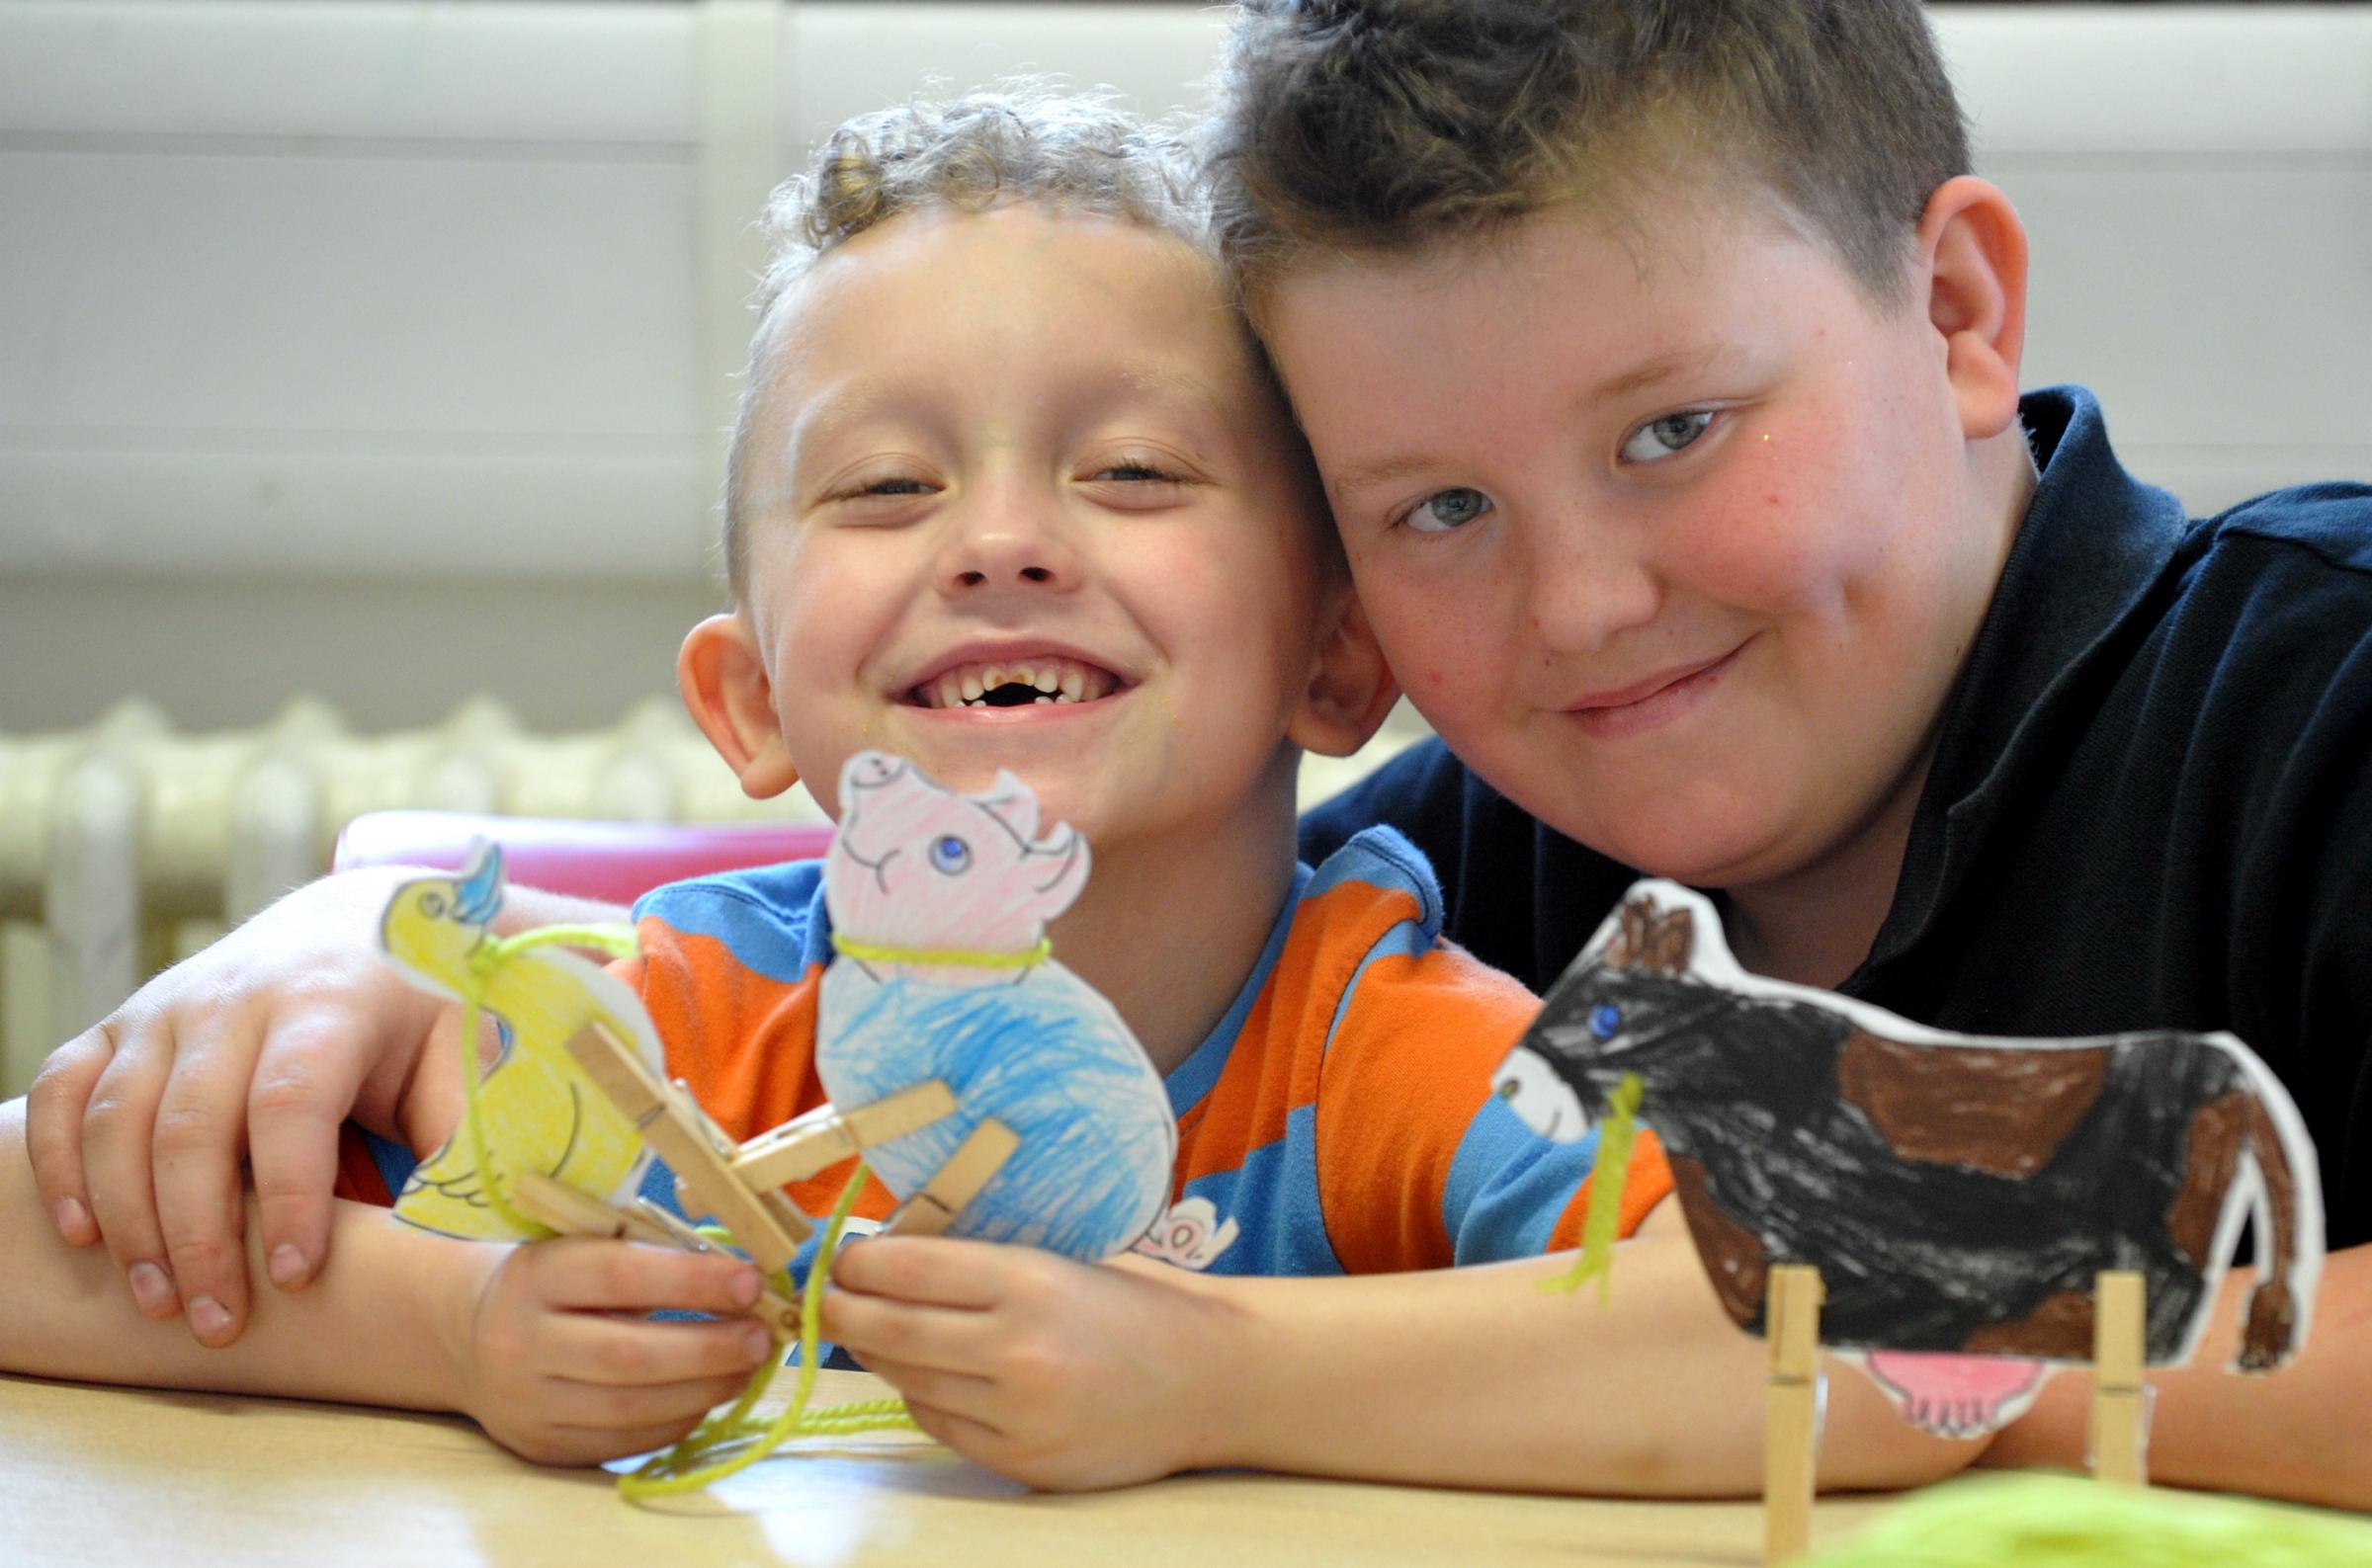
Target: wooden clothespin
800	1147
571	1212
972	1165
1791	1403
2120	1384
763	1223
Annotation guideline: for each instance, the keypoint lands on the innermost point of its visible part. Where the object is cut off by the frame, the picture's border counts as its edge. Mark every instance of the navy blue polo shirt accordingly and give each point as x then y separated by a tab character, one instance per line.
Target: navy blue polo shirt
2150	803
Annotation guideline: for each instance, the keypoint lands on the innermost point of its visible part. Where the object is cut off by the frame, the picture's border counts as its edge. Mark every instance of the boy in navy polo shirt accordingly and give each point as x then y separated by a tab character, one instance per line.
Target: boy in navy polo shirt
1661	357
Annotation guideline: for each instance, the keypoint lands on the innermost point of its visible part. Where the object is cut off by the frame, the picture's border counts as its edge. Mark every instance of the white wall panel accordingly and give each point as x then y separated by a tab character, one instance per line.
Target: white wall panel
320	294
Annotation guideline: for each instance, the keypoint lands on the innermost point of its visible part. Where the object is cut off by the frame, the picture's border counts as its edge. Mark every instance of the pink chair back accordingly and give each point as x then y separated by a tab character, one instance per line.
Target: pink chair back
613	863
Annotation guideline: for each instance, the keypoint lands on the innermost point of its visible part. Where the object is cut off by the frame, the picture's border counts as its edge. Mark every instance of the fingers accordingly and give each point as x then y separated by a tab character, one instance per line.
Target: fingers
591	1359
117	1125
974	1276
881	1331
301	1087
200	1202
53	1111
626	1277
955	1394
581	1423
597	1445
975	1439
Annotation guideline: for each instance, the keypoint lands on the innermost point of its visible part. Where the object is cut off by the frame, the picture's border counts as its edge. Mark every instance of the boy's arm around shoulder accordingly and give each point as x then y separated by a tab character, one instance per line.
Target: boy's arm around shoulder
256	1050
543	1345
386	1327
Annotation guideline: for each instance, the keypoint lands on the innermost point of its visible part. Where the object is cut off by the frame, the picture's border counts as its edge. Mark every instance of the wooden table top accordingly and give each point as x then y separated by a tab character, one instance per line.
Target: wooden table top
105	1476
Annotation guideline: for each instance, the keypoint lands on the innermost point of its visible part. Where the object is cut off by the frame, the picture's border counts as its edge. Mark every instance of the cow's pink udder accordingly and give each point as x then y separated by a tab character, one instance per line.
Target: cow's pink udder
1956	1396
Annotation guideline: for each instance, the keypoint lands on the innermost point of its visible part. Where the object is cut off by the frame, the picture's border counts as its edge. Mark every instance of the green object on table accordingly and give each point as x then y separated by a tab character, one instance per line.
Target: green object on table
2068	1522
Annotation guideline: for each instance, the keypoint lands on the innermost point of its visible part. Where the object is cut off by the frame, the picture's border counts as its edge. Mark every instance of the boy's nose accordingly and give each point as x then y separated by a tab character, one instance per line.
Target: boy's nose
1007	546
1585	587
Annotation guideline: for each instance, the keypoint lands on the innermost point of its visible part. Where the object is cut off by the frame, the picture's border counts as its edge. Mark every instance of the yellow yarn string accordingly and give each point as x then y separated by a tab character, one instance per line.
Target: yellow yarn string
879	952
687	1467
1608	1176
485	961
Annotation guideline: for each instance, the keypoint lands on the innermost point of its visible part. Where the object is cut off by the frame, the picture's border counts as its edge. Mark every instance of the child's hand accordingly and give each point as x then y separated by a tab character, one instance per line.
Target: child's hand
556	1362
258	1046
1061	1375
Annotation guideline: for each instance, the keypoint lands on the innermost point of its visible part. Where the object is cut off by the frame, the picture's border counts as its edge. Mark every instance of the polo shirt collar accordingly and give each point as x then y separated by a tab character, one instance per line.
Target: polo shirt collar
2092	543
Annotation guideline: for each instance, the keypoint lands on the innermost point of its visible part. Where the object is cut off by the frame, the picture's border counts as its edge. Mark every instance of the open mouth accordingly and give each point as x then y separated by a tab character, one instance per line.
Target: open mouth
1049	679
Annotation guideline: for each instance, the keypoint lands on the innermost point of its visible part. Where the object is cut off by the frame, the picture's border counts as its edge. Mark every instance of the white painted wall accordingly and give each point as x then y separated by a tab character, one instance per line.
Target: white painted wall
307	308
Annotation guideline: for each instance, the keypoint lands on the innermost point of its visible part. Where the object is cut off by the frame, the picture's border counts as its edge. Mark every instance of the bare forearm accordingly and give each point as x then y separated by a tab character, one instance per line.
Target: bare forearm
1476	1376
380	1328
524	908
2297	1433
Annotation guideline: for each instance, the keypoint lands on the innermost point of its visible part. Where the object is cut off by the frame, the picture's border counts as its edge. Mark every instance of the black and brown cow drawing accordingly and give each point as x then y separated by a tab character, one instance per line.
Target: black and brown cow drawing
1958	1194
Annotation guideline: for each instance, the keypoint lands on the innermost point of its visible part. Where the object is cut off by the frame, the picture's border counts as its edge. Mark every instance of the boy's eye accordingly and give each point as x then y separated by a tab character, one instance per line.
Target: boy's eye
1138	473
1659	439
1445	510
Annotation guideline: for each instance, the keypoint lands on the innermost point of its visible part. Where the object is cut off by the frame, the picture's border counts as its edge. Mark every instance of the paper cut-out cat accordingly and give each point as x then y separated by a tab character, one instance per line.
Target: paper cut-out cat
1958	1194
541	1111
939	903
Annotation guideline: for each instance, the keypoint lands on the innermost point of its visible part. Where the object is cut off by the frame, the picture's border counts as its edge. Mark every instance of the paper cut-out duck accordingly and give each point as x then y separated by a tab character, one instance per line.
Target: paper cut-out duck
540	1110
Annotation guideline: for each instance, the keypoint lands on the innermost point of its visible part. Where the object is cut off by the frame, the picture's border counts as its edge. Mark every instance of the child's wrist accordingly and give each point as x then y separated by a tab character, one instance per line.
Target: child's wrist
1230	1359
466	1276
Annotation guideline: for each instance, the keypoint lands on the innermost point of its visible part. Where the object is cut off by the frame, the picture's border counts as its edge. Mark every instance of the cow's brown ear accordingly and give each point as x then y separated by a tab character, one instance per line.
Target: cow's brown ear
1674	939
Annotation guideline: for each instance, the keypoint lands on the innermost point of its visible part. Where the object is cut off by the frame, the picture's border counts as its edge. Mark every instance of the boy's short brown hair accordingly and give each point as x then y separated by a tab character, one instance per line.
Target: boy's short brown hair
1385	125
1075	152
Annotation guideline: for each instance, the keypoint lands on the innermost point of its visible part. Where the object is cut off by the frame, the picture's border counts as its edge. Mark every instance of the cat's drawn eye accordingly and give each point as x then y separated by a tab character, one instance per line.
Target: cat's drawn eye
950	854
1604	1020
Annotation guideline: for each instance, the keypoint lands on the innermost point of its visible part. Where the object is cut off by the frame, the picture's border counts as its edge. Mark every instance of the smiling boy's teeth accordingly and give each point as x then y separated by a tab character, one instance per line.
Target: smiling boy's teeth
1049	679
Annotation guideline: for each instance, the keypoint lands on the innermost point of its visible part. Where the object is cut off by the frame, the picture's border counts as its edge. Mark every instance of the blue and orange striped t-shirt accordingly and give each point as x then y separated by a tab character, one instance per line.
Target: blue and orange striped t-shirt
1340	1113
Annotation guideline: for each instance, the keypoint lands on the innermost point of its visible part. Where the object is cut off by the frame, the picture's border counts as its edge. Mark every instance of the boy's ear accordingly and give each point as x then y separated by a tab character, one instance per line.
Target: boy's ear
1350	686
1973	259
724	686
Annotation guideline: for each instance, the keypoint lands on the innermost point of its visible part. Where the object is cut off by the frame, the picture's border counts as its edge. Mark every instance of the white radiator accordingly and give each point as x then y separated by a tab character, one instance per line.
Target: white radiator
127	845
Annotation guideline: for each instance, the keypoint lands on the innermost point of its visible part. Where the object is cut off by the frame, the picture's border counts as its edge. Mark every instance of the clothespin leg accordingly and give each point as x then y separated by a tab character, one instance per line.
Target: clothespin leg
800	1147
2120	1384
975	1162
1791	1326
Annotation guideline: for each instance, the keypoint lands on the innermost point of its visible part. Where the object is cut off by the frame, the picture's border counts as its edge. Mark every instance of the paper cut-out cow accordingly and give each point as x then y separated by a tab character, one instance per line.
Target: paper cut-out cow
1958	1194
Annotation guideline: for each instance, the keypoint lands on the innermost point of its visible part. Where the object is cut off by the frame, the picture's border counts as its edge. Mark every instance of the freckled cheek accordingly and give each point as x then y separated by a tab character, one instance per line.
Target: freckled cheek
1436	653
1776	545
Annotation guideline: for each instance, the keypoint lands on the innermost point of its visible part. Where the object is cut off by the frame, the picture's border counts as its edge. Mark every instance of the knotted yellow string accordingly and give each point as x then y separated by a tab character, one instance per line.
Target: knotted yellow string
741	1441
1608	1176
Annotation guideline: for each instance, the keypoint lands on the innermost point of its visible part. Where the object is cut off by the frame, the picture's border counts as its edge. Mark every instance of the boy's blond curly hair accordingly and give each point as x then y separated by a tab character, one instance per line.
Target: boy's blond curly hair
1075	152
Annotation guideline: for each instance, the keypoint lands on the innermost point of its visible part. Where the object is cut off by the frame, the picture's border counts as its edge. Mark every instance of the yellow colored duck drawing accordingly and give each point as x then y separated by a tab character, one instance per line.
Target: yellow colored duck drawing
537	1111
